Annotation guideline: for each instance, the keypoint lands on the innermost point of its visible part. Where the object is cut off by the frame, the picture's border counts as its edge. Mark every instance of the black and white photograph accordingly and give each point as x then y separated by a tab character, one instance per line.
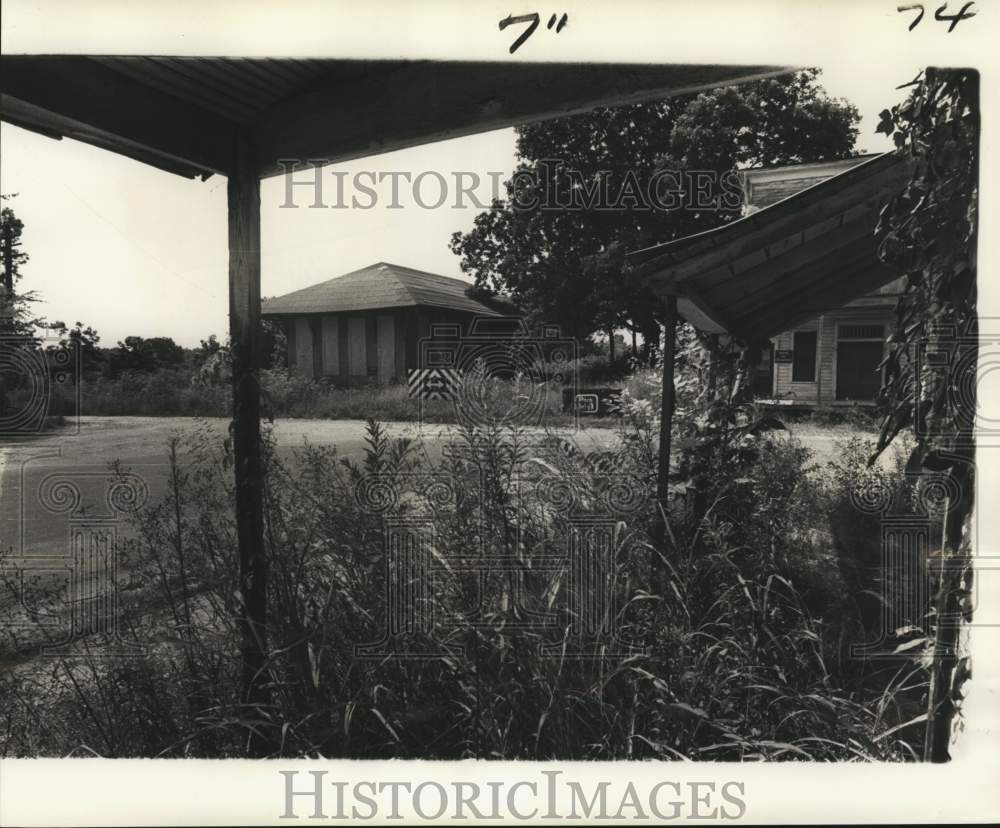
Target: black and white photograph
598	400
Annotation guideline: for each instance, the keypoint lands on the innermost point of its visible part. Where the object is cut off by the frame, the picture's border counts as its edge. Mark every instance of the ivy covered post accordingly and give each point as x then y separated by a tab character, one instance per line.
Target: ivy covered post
658	573
928	231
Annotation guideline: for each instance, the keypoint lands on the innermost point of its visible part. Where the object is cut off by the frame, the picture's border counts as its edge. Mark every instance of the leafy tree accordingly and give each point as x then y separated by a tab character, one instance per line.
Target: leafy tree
83	338
207	349
15	305
565	265
145	355
17	323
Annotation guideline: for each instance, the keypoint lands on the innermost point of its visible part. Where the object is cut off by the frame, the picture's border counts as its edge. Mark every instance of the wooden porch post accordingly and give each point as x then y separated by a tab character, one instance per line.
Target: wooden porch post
666	422
243	188
713	367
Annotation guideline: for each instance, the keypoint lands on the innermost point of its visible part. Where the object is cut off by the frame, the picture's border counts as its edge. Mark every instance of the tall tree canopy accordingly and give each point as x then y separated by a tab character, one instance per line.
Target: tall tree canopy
591	187
15	305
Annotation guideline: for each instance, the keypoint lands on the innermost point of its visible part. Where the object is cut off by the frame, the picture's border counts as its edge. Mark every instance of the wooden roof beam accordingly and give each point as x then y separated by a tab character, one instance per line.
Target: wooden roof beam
693	307
778	270
812	301
784	256
825	274
714	248
849	254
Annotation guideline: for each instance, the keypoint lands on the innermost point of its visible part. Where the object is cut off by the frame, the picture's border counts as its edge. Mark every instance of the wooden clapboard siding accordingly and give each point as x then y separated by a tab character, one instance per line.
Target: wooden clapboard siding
827	349
824	390
331	346
385	346
805	393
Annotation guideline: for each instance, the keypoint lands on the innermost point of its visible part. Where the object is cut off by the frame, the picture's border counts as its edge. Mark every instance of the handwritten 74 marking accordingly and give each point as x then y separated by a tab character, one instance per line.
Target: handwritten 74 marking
939	15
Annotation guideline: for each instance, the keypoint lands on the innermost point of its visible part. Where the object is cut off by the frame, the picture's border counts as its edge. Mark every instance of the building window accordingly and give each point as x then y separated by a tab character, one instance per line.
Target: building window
860	332
804	356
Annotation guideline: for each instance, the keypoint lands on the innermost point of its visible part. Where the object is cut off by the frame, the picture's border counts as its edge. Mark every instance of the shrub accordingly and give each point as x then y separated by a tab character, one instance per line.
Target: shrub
206	393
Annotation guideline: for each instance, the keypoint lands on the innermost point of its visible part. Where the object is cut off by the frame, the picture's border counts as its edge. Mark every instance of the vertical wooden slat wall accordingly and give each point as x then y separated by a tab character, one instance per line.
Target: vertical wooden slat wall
399	321
303	347
371	347
343	335
316	330
331	346
357	360
385	345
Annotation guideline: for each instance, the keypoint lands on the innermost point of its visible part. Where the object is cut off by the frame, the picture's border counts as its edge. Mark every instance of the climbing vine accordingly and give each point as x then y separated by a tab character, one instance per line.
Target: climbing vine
928	232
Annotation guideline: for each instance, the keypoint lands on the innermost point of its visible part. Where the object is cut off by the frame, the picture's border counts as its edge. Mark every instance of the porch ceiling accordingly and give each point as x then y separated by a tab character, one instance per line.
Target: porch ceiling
784	264
182	114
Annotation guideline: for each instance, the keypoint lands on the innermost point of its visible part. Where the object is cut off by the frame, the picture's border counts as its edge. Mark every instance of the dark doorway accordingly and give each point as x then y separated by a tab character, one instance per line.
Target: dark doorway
763	378
858	377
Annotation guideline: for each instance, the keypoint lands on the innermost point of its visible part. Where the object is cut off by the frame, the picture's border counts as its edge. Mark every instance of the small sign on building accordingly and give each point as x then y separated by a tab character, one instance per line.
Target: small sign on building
784	356
591	402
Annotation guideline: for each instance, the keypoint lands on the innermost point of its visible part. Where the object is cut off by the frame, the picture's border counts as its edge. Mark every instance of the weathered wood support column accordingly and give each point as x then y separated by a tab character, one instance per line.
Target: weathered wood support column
245	334
658	569
713	368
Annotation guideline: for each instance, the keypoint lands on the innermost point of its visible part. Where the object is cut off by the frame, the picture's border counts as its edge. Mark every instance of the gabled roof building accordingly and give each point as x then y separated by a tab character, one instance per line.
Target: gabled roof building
798	274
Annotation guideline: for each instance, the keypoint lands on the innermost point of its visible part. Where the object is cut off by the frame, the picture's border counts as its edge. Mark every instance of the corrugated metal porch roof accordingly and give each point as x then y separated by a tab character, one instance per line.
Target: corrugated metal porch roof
183	114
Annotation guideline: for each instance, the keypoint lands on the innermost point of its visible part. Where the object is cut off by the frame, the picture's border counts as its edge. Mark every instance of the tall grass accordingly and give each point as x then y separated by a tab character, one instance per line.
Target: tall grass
740	657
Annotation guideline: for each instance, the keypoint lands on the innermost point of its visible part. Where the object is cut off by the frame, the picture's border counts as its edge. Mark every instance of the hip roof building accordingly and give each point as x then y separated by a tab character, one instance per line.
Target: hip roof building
366	326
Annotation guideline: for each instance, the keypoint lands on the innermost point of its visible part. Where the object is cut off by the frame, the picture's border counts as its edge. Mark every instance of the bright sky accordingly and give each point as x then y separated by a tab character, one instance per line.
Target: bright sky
132	250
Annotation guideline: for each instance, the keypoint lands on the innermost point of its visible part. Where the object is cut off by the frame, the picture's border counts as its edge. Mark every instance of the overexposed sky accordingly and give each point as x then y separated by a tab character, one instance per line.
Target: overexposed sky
132	250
